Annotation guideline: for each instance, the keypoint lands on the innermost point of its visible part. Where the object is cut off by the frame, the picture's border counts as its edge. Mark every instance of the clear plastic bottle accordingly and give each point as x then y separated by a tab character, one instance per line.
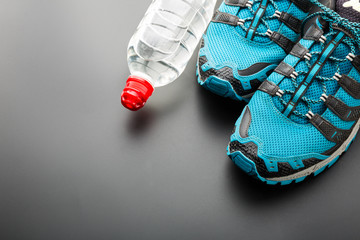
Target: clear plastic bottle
163	45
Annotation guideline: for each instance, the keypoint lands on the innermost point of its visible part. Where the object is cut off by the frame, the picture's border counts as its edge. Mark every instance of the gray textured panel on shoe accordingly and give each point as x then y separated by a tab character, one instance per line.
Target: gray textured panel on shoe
236	3
314	33
342	110
221	17
285	43
257	67
284	69
350	85
304	5
299	51
245	123
291	21
329	131
356	63
269	88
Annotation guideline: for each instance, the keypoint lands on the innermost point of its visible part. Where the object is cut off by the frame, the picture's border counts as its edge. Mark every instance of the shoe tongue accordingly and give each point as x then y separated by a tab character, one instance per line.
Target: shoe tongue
349	9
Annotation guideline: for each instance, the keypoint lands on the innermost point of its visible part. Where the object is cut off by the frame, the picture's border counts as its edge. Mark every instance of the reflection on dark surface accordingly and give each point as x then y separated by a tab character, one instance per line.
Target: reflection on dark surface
141	121
218	111
255	192
76	165
222	113
244	189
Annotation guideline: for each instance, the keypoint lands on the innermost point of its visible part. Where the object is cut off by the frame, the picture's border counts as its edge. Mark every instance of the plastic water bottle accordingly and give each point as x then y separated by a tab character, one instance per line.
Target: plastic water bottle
163	45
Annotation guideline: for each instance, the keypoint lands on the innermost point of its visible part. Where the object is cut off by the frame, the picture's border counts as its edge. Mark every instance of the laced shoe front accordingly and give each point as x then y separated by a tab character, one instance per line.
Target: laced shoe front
306	114
245	42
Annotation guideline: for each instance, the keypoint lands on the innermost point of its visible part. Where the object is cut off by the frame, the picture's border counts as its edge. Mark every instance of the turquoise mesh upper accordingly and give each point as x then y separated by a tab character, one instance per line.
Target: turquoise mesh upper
281	138
324	82
278	136
226	45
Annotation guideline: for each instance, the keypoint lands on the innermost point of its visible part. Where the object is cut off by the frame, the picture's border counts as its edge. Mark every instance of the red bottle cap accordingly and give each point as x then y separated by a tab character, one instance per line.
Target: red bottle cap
136	93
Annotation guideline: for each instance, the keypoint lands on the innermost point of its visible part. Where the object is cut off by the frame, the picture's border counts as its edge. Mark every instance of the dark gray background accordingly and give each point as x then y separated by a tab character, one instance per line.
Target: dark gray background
74	164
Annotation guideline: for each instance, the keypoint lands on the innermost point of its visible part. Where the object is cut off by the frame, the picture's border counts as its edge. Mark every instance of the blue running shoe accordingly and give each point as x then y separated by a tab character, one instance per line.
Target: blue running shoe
306	114
245	42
